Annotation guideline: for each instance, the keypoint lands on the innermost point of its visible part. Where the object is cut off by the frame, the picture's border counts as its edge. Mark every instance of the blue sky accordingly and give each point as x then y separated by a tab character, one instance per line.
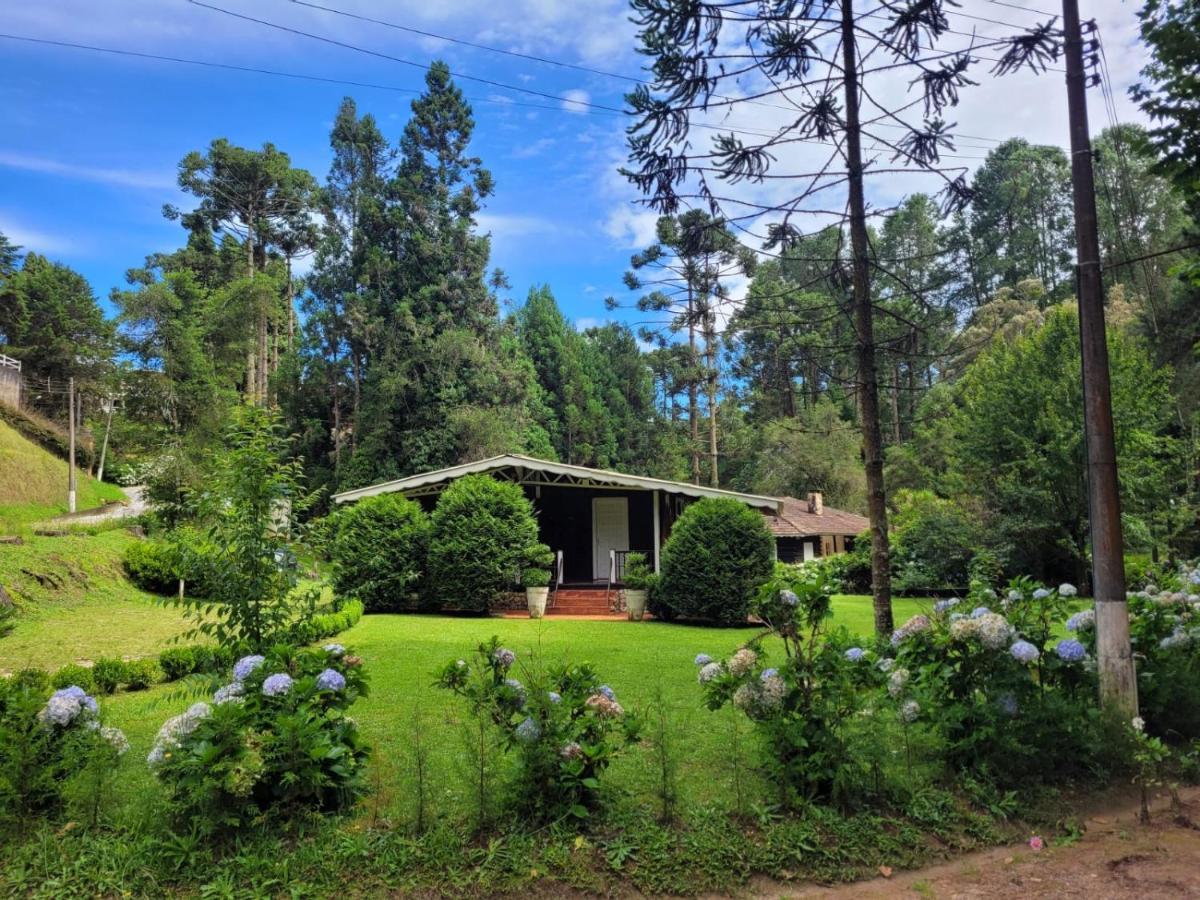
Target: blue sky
91	140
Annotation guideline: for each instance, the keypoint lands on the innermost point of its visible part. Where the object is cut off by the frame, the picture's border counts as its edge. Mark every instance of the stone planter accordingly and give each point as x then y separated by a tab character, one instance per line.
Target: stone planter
535	597
635	604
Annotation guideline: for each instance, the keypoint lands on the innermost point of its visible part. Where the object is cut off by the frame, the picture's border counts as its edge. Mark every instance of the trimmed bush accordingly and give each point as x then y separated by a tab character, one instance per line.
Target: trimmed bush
72	674
328	624
141	673
483	530
109	674
379	548
718	554
177	662
153	566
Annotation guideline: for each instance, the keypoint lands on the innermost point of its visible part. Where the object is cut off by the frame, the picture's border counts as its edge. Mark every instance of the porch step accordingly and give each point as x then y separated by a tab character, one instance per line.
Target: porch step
580	602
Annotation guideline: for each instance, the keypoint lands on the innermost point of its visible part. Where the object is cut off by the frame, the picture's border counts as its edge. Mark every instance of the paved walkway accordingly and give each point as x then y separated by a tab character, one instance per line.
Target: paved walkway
130	508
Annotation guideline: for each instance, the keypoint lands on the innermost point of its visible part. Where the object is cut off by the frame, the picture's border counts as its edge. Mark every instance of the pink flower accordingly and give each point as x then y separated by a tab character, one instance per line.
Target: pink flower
1036	843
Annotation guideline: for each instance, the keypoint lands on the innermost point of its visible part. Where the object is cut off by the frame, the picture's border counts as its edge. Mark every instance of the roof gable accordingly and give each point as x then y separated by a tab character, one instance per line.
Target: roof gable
795	520
528	470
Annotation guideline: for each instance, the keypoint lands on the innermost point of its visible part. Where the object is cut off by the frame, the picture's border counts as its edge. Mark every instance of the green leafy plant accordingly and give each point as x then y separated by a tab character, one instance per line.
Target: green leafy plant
74	674
109	674
141	673
639	575
379	548
564	726
717	556
482	532
276	738
250	505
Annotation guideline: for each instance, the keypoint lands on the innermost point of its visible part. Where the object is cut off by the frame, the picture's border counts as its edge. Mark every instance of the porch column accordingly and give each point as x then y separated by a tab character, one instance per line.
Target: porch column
657	533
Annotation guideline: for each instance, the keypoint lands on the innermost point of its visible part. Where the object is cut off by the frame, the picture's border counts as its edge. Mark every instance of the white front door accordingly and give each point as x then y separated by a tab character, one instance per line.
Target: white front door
610	531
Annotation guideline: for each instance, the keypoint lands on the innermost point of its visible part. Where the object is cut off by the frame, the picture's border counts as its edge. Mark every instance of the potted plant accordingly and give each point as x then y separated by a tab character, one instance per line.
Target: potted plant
638	579
536	578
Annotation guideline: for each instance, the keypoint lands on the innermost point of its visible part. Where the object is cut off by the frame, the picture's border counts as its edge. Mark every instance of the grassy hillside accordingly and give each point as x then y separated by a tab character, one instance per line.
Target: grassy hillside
33	483
75	603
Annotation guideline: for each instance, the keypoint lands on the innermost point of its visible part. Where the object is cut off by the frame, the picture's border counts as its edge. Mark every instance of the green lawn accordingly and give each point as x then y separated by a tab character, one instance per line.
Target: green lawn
75	603
402	655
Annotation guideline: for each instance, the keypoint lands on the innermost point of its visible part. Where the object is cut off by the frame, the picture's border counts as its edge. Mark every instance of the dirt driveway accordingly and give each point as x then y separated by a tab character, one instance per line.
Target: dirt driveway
1115	858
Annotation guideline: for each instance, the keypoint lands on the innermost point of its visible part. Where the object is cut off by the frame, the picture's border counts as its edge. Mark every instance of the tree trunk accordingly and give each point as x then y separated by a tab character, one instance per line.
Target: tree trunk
710	346
868	384
693	404
251	356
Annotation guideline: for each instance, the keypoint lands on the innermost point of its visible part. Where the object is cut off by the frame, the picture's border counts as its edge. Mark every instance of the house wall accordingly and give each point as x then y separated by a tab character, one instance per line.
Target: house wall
791	549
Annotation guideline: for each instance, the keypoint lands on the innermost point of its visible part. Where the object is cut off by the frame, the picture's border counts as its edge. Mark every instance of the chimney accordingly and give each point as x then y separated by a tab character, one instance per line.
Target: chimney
816	505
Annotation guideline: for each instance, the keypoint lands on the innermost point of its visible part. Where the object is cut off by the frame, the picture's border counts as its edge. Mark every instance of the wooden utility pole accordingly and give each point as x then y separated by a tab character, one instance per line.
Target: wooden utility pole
71	445
1118	679
864	327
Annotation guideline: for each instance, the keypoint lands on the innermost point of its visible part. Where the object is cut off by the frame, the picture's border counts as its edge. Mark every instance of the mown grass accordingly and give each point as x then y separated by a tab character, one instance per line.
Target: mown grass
645	662
75	603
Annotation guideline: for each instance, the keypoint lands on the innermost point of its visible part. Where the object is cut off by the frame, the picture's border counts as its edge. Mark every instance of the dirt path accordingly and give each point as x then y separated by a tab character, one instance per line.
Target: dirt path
1115	858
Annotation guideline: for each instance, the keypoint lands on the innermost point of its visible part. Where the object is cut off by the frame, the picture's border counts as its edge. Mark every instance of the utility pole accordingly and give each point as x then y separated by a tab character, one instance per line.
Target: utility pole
71	450
1118	679
104	446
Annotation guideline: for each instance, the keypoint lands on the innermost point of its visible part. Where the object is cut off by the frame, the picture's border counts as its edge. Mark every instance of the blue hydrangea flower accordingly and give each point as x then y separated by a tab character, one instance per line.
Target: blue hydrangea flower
504	657
244	667
768	673
334	649
277	685
228	693
702	659
945	605
788	598
1067	590
1014	595
517	688
606	691
855	654
1082	620
1023	651
979	612
1070	650
67	705
554	697
528	731
708	672
1041	594
331	680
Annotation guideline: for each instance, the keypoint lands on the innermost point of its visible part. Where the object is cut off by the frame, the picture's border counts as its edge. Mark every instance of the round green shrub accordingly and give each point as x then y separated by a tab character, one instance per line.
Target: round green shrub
718	554
141	673
177	662
71	674
379	547
153	566
109	674
483	530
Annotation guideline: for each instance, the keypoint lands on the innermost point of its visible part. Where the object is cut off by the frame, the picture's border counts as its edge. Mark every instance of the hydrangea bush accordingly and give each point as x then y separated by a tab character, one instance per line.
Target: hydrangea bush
49	744
276	737
800	704
563	725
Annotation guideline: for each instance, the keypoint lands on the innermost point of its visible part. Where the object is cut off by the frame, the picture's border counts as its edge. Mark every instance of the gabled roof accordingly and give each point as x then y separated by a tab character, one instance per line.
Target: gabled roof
794	520
528	470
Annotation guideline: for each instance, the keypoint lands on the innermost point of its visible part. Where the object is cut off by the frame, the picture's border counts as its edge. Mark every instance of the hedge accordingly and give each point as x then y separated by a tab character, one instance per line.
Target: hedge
718	554
379	548
483	530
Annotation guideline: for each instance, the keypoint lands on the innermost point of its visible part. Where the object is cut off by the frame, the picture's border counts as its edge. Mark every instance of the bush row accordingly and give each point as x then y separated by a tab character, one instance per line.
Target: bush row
157	566
106	675
391	555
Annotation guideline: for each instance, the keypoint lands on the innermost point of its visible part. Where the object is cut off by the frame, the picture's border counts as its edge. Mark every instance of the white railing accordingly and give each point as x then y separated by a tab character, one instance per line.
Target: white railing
9	362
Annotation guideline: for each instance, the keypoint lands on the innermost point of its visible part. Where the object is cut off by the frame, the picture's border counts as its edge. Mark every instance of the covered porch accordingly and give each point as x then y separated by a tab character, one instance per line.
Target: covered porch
591	518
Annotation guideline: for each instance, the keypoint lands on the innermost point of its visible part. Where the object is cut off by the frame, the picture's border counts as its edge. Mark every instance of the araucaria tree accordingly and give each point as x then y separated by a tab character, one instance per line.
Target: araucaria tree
831	69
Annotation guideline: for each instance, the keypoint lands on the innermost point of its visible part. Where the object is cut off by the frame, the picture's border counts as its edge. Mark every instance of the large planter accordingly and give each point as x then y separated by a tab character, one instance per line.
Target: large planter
635	604
535	597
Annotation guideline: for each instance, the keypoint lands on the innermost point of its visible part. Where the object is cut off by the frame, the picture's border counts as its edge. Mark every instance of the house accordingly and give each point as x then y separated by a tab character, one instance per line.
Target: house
593	518
807	529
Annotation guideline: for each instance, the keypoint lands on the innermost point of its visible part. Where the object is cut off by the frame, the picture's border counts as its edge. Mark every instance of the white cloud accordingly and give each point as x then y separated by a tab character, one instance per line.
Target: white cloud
32	239
507	226
631	228
533	148
155	180
576	101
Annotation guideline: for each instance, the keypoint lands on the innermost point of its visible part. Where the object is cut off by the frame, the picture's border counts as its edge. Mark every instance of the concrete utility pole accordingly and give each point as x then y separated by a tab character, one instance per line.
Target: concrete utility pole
1118	680
71	450
107	428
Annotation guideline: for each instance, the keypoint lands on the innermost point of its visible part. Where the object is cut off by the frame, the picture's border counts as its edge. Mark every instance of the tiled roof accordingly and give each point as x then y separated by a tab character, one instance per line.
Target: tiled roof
796	521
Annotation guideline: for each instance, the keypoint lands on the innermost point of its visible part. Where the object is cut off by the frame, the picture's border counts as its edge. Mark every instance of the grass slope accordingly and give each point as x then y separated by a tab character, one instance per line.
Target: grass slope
33	483
75	603
644	662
